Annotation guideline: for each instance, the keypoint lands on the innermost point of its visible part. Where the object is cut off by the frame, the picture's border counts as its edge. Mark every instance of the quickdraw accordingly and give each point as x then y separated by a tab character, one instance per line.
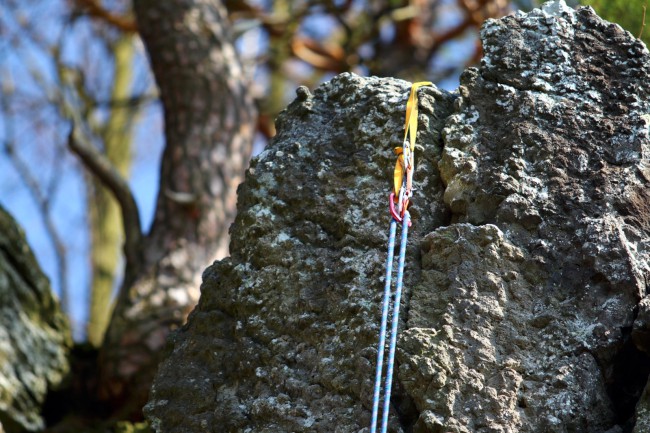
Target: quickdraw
400	196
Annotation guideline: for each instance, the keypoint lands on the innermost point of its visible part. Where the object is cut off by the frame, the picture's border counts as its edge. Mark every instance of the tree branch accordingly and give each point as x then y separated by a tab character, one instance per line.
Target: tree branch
43	203
42	198
642	24
102	168
96	10
318	55
135	101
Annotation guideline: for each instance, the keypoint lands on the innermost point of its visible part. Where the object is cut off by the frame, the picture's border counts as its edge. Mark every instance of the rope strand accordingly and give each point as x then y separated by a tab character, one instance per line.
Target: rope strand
393	334
384	322
394	325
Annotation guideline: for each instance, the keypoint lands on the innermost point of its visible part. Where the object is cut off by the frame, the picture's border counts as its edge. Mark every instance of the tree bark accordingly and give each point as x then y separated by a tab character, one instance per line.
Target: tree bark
106	227
209	128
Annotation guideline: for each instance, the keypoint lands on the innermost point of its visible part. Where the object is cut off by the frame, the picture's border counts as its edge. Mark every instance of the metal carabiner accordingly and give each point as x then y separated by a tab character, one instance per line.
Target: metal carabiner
394	212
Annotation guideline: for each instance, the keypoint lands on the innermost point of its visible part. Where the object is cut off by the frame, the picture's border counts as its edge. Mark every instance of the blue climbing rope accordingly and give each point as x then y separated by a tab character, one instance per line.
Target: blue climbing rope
382	328
393	332
394	325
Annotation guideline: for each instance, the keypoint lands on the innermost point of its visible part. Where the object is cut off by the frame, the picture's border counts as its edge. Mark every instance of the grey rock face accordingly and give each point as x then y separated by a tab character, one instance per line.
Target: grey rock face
550	144
284	334
527	264
34	333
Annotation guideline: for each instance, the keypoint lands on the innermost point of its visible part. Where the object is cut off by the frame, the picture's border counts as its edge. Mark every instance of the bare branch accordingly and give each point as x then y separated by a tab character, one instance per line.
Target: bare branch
328	58
42	199
642	24
448	35
102	168
95	9
135	101
43	204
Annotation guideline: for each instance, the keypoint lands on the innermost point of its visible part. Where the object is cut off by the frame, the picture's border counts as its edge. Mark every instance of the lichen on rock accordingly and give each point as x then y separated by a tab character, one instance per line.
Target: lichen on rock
527	262
34	334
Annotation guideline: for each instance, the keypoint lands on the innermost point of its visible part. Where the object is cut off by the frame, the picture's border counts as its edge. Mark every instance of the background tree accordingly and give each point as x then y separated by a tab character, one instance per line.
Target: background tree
104	219
55	71
209	127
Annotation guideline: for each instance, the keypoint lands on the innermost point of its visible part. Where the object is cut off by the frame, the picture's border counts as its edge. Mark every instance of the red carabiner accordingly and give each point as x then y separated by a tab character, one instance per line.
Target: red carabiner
391	206
393	211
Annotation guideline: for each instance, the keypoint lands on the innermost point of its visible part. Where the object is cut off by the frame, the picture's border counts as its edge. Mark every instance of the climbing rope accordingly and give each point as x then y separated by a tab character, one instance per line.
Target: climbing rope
401	195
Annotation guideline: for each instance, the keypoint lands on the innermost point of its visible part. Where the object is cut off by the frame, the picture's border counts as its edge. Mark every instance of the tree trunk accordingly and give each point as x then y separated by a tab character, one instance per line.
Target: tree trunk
209	127
103	210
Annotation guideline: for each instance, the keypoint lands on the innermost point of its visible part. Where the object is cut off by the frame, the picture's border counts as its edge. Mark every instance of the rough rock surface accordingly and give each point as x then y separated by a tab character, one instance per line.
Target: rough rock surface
285	330
527	265
34	333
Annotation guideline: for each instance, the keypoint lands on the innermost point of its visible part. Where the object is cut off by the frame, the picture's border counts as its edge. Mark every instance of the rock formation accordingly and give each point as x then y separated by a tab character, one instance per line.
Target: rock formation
34	334
527	264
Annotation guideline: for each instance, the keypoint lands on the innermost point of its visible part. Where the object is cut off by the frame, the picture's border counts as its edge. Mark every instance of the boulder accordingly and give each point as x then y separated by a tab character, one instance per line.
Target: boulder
34	334
527	261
